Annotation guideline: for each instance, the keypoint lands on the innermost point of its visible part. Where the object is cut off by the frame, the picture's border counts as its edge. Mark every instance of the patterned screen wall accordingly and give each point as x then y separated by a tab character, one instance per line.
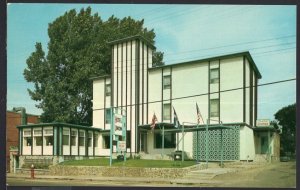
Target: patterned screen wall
231	144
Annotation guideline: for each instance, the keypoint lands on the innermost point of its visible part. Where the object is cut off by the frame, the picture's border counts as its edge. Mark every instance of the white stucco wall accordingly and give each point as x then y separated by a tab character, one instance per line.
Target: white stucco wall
247	146
231	102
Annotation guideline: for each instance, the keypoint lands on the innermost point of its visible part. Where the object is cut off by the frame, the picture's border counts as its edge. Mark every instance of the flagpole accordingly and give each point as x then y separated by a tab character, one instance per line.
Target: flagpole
163	142
197	145
182	128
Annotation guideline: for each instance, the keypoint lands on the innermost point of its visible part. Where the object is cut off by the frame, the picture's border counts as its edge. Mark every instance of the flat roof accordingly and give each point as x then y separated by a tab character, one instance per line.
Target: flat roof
136	37
189	128
100	77
58	124
246	53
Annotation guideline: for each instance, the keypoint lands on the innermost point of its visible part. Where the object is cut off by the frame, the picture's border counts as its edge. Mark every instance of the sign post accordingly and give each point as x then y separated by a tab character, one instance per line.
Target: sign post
118	132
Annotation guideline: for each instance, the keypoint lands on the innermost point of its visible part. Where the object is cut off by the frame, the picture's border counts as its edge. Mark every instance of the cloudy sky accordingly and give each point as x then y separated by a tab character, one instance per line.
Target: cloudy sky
183	33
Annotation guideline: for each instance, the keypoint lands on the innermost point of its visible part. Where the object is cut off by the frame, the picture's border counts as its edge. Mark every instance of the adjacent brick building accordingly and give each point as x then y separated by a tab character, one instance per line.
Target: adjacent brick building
12	120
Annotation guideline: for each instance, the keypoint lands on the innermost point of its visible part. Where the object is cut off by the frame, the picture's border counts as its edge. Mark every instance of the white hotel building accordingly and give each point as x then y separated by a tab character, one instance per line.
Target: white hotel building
224	87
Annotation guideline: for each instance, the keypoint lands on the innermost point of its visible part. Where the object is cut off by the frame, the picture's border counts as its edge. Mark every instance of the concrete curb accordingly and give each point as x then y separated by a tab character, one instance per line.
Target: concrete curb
116	179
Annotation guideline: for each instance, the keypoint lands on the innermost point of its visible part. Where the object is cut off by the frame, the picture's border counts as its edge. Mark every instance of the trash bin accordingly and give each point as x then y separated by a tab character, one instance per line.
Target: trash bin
178	155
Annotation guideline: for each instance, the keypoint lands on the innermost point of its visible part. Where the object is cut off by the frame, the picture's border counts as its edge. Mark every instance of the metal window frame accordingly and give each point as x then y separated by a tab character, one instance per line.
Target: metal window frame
216	79
163	111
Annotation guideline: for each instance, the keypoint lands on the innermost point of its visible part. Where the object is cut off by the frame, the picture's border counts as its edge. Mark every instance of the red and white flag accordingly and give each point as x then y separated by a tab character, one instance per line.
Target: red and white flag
199	116
153	122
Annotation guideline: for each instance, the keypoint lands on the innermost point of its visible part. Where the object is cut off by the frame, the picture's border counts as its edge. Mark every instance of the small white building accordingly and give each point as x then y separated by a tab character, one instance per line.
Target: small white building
224	87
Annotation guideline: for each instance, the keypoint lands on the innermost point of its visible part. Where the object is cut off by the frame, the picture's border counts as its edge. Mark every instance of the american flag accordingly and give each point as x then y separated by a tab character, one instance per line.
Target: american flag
199	116
154	119
176	120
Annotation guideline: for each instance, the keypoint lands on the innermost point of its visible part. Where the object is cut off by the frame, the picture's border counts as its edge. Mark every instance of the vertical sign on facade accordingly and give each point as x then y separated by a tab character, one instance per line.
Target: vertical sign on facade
118	132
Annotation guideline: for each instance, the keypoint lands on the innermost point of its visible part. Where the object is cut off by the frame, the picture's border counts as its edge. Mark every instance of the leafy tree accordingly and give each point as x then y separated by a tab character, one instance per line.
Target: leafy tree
286	117
77	51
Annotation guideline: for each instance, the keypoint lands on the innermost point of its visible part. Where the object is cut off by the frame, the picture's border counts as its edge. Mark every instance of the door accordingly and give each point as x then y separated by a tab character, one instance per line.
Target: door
144	142
264	145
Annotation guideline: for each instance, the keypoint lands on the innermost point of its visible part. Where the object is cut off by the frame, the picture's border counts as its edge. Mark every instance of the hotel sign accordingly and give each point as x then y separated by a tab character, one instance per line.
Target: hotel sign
122	145
262	122
118	129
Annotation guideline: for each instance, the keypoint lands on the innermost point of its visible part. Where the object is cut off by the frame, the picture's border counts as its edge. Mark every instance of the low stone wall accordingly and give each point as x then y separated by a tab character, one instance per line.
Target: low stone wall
103	171
36	171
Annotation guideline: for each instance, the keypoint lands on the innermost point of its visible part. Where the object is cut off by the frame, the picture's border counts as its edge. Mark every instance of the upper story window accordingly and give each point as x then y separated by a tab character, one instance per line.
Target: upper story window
167	111
107	116
107	90
214	75
214	107
167	82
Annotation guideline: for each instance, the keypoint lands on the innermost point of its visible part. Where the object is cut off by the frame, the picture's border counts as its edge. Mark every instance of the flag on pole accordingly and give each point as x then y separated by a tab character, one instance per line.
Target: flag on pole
199	116
154	119
176	120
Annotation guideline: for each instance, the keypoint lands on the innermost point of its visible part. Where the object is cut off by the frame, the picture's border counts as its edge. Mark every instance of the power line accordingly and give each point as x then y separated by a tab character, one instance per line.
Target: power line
203	94
236	44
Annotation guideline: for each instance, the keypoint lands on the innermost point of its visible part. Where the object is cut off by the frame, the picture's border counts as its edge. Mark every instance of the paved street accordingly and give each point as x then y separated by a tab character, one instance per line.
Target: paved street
282	174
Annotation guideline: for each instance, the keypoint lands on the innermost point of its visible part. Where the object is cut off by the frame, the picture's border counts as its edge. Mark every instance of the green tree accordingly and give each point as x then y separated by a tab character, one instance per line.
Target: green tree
77	51
286	117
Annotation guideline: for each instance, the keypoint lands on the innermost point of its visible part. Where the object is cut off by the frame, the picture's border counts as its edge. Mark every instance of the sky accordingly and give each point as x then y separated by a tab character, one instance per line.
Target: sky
183	33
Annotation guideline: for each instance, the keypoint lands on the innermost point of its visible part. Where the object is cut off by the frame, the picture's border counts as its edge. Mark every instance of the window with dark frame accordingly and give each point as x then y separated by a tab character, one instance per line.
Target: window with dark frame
38	137
167	82
48	136
214	107
73	138
167	111
107	90
90	138
66	134
107	116
27	138
81	138
106	141
214	76
169	140
128	139
96	136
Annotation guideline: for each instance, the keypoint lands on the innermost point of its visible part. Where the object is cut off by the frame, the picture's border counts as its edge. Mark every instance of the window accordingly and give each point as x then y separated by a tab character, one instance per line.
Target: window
27	141
38	140
73	138
107	116
167	111
81	138
48	132
48	136
90	138
106	141
128	139
214	75
27	133
167	82
49	140
66	136
95	139
214	107
107	90
27	138
169	140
